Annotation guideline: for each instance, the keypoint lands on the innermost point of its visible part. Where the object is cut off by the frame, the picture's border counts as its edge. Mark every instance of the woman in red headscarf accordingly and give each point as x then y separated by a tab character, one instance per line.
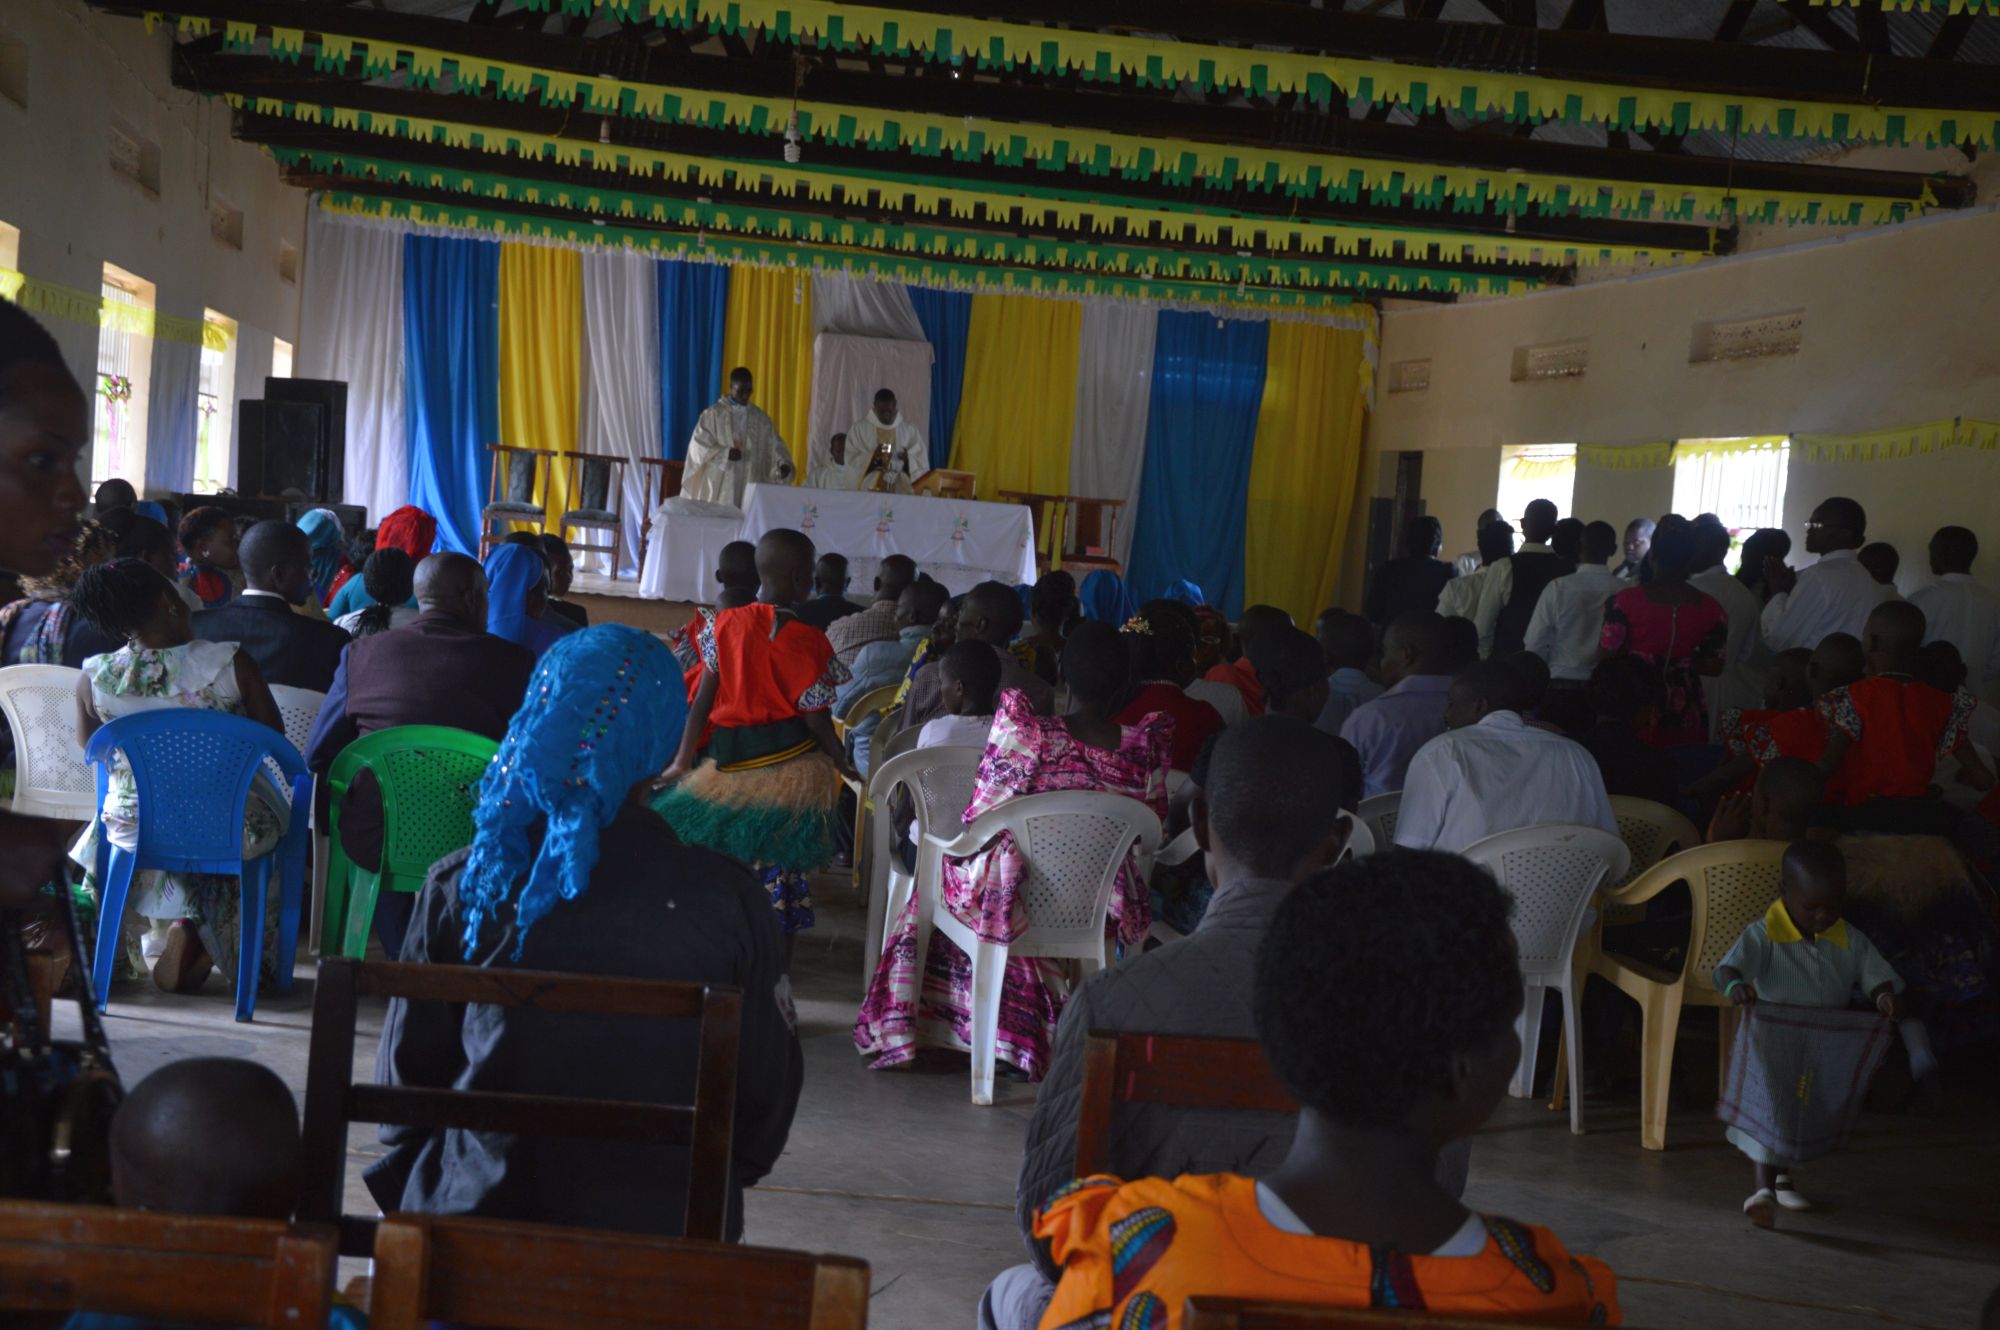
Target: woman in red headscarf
409	529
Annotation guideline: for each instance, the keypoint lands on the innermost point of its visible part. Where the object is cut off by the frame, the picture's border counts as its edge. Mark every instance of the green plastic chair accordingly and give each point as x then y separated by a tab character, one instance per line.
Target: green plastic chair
428	775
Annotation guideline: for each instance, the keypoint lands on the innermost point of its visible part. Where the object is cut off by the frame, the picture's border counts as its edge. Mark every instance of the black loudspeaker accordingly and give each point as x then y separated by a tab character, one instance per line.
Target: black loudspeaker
279	448
330	458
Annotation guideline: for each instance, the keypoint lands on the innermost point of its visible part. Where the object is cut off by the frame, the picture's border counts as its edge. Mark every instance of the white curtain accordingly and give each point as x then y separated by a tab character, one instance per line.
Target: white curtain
621	377
1114	390
351	329
863	307
172	416
847	373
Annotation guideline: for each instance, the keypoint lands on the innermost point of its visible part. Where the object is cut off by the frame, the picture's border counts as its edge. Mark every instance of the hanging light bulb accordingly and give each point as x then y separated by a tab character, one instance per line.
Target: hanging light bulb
792	139
604	130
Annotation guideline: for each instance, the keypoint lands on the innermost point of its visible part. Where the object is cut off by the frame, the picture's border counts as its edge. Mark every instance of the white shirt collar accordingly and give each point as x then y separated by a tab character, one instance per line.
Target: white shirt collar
247	592
1957	577
1839	554
1503	720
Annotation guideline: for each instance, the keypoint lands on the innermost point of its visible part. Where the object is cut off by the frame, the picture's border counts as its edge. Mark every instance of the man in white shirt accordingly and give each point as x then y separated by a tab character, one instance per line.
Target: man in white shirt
1490	771
1960	611
1463	595
1834	595
1569	618
1473	560
734	444
1513	586
1745	663
1418	661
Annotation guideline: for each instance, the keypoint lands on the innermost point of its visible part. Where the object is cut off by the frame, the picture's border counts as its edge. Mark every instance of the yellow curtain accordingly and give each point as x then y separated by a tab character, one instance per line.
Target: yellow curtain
769	331
1305	470
541	341
1019	404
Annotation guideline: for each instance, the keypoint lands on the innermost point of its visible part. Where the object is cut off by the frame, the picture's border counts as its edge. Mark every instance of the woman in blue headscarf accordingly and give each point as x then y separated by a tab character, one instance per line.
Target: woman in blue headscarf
570	871
322	528
517	593
1106	599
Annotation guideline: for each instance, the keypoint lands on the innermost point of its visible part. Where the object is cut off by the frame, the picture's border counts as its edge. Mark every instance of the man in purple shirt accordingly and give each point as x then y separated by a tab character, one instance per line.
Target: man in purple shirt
1418	661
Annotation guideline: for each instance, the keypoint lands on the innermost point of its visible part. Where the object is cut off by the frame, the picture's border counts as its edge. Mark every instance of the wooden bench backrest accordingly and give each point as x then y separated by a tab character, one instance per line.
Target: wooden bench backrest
1180	1070
230	1272
510	1276
333	1099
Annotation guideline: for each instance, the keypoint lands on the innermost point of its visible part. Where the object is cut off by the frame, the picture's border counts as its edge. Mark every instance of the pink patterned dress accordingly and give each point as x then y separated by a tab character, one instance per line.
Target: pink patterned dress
1025	754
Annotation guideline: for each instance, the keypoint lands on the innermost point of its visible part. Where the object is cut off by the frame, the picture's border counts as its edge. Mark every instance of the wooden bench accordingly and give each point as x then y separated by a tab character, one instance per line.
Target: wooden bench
1179	1070
510	1276
334	1100
231	1272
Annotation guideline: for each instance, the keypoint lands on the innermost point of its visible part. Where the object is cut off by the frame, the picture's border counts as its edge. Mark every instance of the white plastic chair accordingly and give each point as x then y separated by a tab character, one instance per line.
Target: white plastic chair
940	782
1651	831
51	779
1379	812
1073	843
1553	873
300	708
1360	838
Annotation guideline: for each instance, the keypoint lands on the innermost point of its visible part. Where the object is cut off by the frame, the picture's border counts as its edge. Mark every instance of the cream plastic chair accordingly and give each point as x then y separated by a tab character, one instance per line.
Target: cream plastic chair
1073	843
1731	884
1553	873
1379	812
1360	839
940	782
1651	832
300	708
51	779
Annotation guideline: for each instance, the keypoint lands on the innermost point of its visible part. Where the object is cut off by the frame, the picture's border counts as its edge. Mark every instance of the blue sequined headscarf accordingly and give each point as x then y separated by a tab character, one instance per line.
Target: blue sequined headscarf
604	711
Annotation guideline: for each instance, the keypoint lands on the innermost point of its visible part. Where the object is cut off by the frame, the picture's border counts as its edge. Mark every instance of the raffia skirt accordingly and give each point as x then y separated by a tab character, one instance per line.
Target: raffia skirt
779	819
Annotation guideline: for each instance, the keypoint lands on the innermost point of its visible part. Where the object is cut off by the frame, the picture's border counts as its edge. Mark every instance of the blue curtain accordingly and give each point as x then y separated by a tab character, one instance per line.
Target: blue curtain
451	348
694	301
1208	383
945	316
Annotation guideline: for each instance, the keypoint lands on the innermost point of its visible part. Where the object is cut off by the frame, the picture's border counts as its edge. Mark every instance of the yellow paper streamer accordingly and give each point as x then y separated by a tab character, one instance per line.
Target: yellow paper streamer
1625	457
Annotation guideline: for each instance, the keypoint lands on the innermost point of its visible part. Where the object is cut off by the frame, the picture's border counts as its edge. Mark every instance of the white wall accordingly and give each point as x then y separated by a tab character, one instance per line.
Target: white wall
75	212
1897	331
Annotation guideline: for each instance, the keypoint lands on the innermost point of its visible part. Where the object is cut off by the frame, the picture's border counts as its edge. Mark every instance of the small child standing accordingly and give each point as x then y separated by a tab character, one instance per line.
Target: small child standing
214	571
1803	954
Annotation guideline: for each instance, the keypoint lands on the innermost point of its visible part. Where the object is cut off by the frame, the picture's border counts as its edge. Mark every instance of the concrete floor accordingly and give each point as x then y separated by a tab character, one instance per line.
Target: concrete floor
900	1169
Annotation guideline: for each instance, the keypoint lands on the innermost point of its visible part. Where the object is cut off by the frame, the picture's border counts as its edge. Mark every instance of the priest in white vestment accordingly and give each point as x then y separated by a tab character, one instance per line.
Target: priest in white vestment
886	451
734	444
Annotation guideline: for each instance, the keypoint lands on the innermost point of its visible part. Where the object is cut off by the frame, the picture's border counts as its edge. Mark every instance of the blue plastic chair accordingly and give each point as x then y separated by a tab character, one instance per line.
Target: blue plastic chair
193	770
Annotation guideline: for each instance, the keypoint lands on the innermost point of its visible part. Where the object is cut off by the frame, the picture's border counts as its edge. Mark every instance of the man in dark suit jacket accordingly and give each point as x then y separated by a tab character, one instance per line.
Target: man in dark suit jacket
441	668
289	648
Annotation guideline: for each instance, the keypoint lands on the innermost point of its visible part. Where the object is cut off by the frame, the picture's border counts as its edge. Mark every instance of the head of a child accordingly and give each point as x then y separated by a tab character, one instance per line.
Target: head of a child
784	566
1625	690
1814	885
1881	560
1386	993
1940	665
1789	688
969	679
1097	665
919	604
1052	603
1163	638
1892	637
736	573
1783	799
1836	662
209	536
208	1136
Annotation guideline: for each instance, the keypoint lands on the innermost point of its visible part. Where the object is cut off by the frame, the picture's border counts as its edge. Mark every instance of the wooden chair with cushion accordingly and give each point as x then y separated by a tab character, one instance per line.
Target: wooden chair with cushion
163	1267
507	1276
596	488
659	480
1181	1070
334	1101
1239	1314
510	498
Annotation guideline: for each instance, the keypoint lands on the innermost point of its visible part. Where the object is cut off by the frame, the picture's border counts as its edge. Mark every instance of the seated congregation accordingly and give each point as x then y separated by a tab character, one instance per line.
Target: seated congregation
1072	815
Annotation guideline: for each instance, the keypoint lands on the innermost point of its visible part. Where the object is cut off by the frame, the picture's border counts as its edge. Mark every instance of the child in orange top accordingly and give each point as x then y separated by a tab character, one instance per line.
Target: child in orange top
1789	723
1385	998
759	770
1887	732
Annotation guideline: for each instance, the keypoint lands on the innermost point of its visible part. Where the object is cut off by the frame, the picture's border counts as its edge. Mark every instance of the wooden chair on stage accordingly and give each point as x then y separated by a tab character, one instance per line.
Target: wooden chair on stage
163	1267
1180	1070
659	481
1072	531
596	488
942	484
518	476
334	1101
515	1276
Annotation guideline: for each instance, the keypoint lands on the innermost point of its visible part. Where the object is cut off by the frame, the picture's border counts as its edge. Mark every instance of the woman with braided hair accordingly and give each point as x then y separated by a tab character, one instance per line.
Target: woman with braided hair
162	665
